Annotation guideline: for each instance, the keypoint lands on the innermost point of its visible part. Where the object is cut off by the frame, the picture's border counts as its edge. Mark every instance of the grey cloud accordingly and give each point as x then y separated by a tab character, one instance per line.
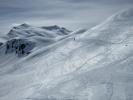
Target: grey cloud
73	13
102	1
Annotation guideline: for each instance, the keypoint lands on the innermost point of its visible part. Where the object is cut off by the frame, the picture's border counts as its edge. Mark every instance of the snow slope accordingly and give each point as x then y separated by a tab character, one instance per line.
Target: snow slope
84	65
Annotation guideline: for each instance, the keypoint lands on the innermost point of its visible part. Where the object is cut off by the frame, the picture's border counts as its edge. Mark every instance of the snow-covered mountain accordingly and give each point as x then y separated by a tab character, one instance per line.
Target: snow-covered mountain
25	30
93	64
23	38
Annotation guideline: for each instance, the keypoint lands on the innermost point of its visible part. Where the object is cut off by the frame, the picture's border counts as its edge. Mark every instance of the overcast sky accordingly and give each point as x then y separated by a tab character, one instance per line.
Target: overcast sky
72	14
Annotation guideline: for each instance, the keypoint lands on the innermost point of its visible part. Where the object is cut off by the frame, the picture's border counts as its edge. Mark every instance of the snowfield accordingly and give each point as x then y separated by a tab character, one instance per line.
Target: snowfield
53	63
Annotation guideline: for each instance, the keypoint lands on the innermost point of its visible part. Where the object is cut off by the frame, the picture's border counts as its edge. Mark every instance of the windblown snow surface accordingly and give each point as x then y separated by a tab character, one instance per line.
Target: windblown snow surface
93	64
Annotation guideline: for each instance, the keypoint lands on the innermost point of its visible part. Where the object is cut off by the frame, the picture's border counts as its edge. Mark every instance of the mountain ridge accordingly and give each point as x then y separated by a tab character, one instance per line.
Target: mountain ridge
24	30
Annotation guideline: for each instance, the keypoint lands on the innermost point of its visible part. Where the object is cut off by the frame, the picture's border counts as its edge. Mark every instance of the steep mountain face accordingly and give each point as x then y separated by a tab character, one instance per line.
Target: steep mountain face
1	43
20	47
84	65
23	38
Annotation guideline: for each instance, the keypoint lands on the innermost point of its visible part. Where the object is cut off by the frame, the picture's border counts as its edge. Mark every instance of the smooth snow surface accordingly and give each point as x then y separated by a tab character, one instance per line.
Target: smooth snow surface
94	64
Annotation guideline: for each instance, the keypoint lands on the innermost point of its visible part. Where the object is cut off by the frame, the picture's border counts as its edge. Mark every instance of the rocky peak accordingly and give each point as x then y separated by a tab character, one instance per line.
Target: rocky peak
20	47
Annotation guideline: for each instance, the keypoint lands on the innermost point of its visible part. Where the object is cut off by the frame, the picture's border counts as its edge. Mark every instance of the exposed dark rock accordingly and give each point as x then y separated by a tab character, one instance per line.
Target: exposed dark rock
1	43
19	46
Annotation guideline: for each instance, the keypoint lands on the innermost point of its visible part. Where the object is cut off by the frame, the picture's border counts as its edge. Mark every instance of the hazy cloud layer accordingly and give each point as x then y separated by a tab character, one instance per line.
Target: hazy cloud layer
69	13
